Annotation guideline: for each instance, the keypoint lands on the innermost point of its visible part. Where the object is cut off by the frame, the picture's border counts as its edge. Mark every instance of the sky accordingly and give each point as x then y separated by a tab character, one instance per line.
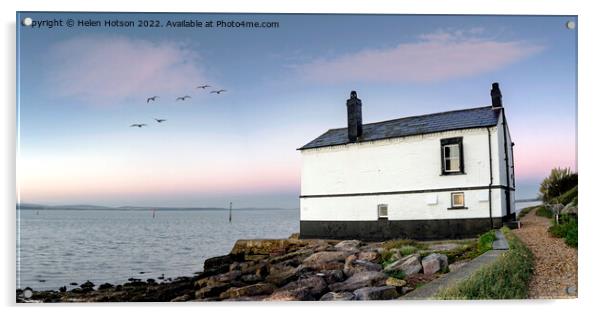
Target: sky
80	89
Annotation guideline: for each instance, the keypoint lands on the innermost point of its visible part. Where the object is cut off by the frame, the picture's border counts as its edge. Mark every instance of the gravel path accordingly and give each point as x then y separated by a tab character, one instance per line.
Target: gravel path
555	273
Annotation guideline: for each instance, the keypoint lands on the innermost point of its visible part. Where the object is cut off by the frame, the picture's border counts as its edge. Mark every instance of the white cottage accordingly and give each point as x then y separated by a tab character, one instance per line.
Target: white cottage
442	175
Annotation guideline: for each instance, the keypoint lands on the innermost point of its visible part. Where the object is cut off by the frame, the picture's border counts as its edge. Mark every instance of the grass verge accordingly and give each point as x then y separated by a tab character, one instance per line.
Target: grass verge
542	211
567	228
506	278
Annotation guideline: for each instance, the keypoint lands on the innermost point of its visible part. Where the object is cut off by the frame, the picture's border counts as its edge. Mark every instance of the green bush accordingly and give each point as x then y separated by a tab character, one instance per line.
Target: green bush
506	278
396	274
407	250
486	241
542	211
559	181
571	236
566	197
566	228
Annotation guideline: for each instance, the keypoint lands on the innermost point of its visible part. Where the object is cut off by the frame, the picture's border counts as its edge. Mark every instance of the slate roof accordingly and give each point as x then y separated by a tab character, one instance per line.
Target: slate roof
415	125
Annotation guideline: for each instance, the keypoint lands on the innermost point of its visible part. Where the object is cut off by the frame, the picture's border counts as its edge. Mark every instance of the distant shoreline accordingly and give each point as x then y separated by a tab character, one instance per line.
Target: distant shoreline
131	208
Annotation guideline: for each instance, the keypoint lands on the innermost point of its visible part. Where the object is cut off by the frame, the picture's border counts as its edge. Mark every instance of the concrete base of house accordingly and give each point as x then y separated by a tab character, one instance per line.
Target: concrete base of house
389	229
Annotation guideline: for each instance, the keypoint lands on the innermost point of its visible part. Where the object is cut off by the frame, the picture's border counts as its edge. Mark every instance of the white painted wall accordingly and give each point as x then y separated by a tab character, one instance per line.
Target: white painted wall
401	164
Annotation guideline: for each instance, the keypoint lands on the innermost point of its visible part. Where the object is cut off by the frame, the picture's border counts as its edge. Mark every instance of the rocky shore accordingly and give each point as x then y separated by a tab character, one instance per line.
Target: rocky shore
281	270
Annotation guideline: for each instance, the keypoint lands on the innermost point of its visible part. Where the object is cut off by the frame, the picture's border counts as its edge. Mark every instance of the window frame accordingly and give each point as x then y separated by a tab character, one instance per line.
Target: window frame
447	142
453	206
378	207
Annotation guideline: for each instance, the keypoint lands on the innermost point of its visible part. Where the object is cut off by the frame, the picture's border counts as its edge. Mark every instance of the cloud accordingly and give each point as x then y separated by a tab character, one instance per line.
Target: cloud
110	69
436	56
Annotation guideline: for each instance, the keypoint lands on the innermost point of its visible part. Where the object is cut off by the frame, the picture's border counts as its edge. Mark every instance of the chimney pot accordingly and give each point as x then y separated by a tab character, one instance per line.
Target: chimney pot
354	117
496	95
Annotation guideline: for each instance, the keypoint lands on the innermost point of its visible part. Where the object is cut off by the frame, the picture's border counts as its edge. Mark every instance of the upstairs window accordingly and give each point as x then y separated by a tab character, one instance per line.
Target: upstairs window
452	156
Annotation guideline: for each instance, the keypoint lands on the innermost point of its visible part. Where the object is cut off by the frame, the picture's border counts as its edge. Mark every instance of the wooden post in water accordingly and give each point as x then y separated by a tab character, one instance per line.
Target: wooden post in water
230	217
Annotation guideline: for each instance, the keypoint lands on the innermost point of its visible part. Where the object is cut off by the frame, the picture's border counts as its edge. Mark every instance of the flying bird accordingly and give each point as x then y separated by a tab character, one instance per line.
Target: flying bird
159	120
154	98
218	91
204	86
182	98
138	125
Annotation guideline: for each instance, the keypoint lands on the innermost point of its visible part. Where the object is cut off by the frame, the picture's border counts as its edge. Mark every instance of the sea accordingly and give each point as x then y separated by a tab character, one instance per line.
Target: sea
58	247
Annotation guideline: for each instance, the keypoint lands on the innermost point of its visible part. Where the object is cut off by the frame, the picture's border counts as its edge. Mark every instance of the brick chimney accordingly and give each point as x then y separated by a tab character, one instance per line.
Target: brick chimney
496	95
354	117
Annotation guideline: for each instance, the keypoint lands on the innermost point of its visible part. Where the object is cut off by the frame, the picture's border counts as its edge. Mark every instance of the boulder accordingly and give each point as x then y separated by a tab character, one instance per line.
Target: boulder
217	280
315	285
290	294
353	265
250	290
337	296
281	274
251	278
409	265
569	209
266	247
348	246
395	282
370	255
433	263
210	291
405	290
359	280
326	260
332	276
376	293
217	264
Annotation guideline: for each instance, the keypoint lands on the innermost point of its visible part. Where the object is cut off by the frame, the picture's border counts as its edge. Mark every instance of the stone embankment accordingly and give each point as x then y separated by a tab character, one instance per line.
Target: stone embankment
277	270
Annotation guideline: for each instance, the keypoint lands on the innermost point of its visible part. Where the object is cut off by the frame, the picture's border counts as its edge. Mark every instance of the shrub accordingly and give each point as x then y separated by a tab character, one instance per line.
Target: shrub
559	181
567	229
486	242
396	274
407	250
506	278
543	211
567	196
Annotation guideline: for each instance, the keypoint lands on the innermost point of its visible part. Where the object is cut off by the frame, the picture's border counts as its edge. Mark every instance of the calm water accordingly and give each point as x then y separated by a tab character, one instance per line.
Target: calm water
57	247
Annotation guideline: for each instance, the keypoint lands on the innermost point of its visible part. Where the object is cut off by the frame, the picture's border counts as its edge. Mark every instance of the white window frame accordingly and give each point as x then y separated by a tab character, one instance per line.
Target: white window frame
458	206
386	208
450	158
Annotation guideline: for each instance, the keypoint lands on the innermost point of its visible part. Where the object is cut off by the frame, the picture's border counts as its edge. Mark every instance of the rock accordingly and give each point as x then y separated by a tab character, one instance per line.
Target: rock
266	247
434	263
87	284
371	256
218	280
293	258
250	290
337	296
376	293
315	285
409	265
326	260
332	276
294	294
217	264
211	290
395	282
73	283
353	265
359	280
181	298
105	286
348	246
405	290
281	274
395	254
569	209
252	278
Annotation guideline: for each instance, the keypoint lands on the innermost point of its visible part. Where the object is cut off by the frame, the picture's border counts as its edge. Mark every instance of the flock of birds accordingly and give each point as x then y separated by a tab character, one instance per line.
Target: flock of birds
179	98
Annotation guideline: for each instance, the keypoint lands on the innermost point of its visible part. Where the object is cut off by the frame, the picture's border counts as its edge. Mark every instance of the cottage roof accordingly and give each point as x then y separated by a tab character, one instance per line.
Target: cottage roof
415	125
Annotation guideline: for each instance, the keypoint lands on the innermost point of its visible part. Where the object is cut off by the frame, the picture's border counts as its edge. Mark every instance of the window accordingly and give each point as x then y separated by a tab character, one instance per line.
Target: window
457	200
452	157
383	211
